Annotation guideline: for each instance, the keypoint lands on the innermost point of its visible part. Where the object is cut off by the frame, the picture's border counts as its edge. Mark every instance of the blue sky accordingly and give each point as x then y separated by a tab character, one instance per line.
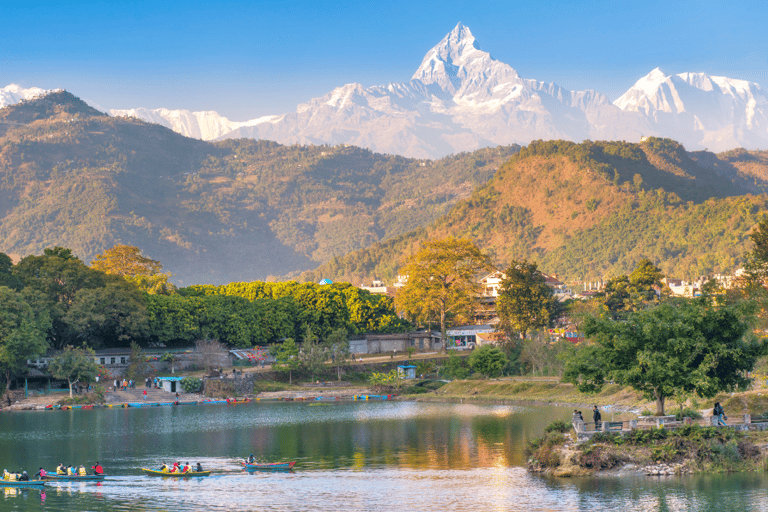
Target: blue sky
245	59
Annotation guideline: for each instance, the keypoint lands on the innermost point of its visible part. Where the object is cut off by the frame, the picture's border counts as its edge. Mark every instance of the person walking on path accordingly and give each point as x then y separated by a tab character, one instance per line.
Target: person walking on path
596	416
719	413
145	394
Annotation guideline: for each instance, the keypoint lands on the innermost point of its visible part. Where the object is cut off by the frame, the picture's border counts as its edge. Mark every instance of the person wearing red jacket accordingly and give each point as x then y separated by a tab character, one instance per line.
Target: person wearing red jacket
97	469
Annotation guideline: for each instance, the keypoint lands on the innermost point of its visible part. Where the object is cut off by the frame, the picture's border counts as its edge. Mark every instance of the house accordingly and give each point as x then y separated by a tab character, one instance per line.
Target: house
171	384
463	337
427	341
407	371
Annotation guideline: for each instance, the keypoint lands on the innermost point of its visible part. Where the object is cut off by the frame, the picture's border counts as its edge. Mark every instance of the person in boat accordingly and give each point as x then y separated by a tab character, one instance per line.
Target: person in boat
24	477
176	467
164	468
97	469
199	468
60	469
187	468
81	471
40	474
251	459
6	475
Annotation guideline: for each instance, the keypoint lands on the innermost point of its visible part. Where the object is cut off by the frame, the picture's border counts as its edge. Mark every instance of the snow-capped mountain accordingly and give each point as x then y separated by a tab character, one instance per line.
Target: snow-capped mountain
460	98
12	94
701	110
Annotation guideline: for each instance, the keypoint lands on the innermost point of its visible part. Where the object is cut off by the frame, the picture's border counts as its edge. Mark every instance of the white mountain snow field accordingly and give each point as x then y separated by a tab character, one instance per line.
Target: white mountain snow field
461	99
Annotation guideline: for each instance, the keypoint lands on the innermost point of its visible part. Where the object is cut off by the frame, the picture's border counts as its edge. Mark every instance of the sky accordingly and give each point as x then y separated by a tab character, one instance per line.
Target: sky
245	59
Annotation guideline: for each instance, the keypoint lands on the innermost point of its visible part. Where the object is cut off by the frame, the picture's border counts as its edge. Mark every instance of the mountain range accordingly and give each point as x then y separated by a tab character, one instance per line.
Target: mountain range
461	99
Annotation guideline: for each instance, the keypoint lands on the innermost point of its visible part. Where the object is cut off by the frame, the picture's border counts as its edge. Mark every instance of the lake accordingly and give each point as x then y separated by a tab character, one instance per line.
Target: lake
350	456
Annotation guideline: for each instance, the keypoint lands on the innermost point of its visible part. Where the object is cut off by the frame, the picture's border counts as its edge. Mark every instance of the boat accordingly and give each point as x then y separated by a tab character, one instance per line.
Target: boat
73	478
268	466
156	472
21	483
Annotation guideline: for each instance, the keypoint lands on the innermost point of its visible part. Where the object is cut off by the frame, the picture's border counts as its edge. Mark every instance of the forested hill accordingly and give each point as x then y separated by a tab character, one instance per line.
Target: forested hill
237	210
584	211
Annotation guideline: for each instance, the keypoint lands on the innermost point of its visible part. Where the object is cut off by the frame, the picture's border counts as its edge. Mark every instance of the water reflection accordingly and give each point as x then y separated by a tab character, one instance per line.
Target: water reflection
350	456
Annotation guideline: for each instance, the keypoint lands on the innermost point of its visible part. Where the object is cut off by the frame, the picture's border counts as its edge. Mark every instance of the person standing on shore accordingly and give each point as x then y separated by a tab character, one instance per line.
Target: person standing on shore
596	416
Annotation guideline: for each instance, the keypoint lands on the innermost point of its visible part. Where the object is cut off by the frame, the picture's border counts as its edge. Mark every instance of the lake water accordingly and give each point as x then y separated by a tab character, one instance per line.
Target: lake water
350	456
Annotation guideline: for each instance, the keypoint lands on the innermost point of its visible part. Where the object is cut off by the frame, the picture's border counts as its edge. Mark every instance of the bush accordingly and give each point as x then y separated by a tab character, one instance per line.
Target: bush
558	426
415	390
191	385
687	413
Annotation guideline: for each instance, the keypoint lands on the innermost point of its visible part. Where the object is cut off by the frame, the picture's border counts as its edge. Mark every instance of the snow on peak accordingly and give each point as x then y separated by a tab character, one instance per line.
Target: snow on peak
457	61
13	93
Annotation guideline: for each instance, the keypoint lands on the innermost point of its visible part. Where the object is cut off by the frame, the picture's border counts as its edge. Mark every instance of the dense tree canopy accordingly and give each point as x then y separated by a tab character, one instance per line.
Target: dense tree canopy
679	347
525	301
74	365
22	333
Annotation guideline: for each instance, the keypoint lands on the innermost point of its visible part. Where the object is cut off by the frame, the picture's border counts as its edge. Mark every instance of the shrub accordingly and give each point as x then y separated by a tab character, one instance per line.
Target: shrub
687	413
415	390
191	384
558	426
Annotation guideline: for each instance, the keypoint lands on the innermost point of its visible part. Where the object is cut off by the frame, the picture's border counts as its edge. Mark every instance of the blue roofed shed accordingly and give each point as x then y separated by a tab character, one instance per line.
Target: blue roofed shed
407	371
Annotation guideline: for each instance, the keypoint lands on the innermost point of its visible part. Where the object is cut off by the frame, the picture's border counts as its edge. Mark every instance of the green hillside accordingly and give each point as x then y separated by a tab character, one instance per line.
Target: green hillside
237	210
584	211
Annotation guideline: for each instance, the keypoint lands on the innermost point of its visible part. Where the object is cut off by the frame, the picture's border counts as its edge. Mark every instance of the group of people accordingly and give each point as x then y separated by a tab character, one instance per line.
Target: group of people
596	417
15	477
178	468
124	384
63	470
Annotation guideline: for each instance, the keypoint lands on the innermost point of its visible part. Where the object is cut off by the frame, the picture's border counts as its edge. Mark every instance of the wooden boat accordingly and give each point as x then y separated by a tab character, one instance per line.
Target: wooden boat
73	478
19	483
269	466
155	472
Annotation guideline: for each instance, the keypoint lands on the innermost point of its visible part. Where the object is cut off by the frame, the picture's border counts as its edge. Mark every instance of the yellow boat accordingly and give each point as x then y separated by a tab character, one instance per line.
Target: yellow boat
156	472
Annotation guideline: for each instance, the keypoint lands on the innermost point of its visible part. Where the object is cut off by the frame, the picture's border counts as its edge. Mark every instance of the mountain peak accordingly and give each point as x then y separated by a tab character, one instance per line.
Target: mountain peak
55	104
458	59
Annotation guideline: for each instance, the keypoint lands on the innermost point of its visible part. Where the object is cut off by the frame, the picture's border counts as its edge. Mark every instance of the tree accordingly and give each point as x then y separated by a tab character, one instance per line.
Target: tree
525	301
679	347
169	357
488	360
313	354
58	276
137	367
636	291
110	316
75	365
211	354
22	334
127	262
286	357
338	347
442	280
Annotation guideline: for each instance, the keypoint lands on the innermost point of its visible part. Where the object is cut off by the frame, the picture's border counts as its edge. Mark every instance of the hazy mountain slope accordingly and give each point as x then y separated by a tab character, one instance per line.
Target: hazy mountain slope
211	212
593	209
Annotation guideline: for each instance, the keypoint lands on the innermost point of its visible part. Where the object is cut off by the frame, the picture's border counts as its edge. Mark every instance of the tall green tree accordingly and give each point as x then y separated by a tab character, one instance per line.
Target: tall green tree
58	276
677	348
634	292
75	365
22	333
525	301
313	354
110	316
338	348
442	281
286	357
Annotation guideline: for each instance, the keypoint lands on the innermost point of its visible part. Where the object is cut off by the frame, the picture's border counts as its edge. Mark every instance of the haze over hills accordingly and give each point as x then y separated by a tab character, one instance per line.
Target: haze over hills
461	99
234	210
